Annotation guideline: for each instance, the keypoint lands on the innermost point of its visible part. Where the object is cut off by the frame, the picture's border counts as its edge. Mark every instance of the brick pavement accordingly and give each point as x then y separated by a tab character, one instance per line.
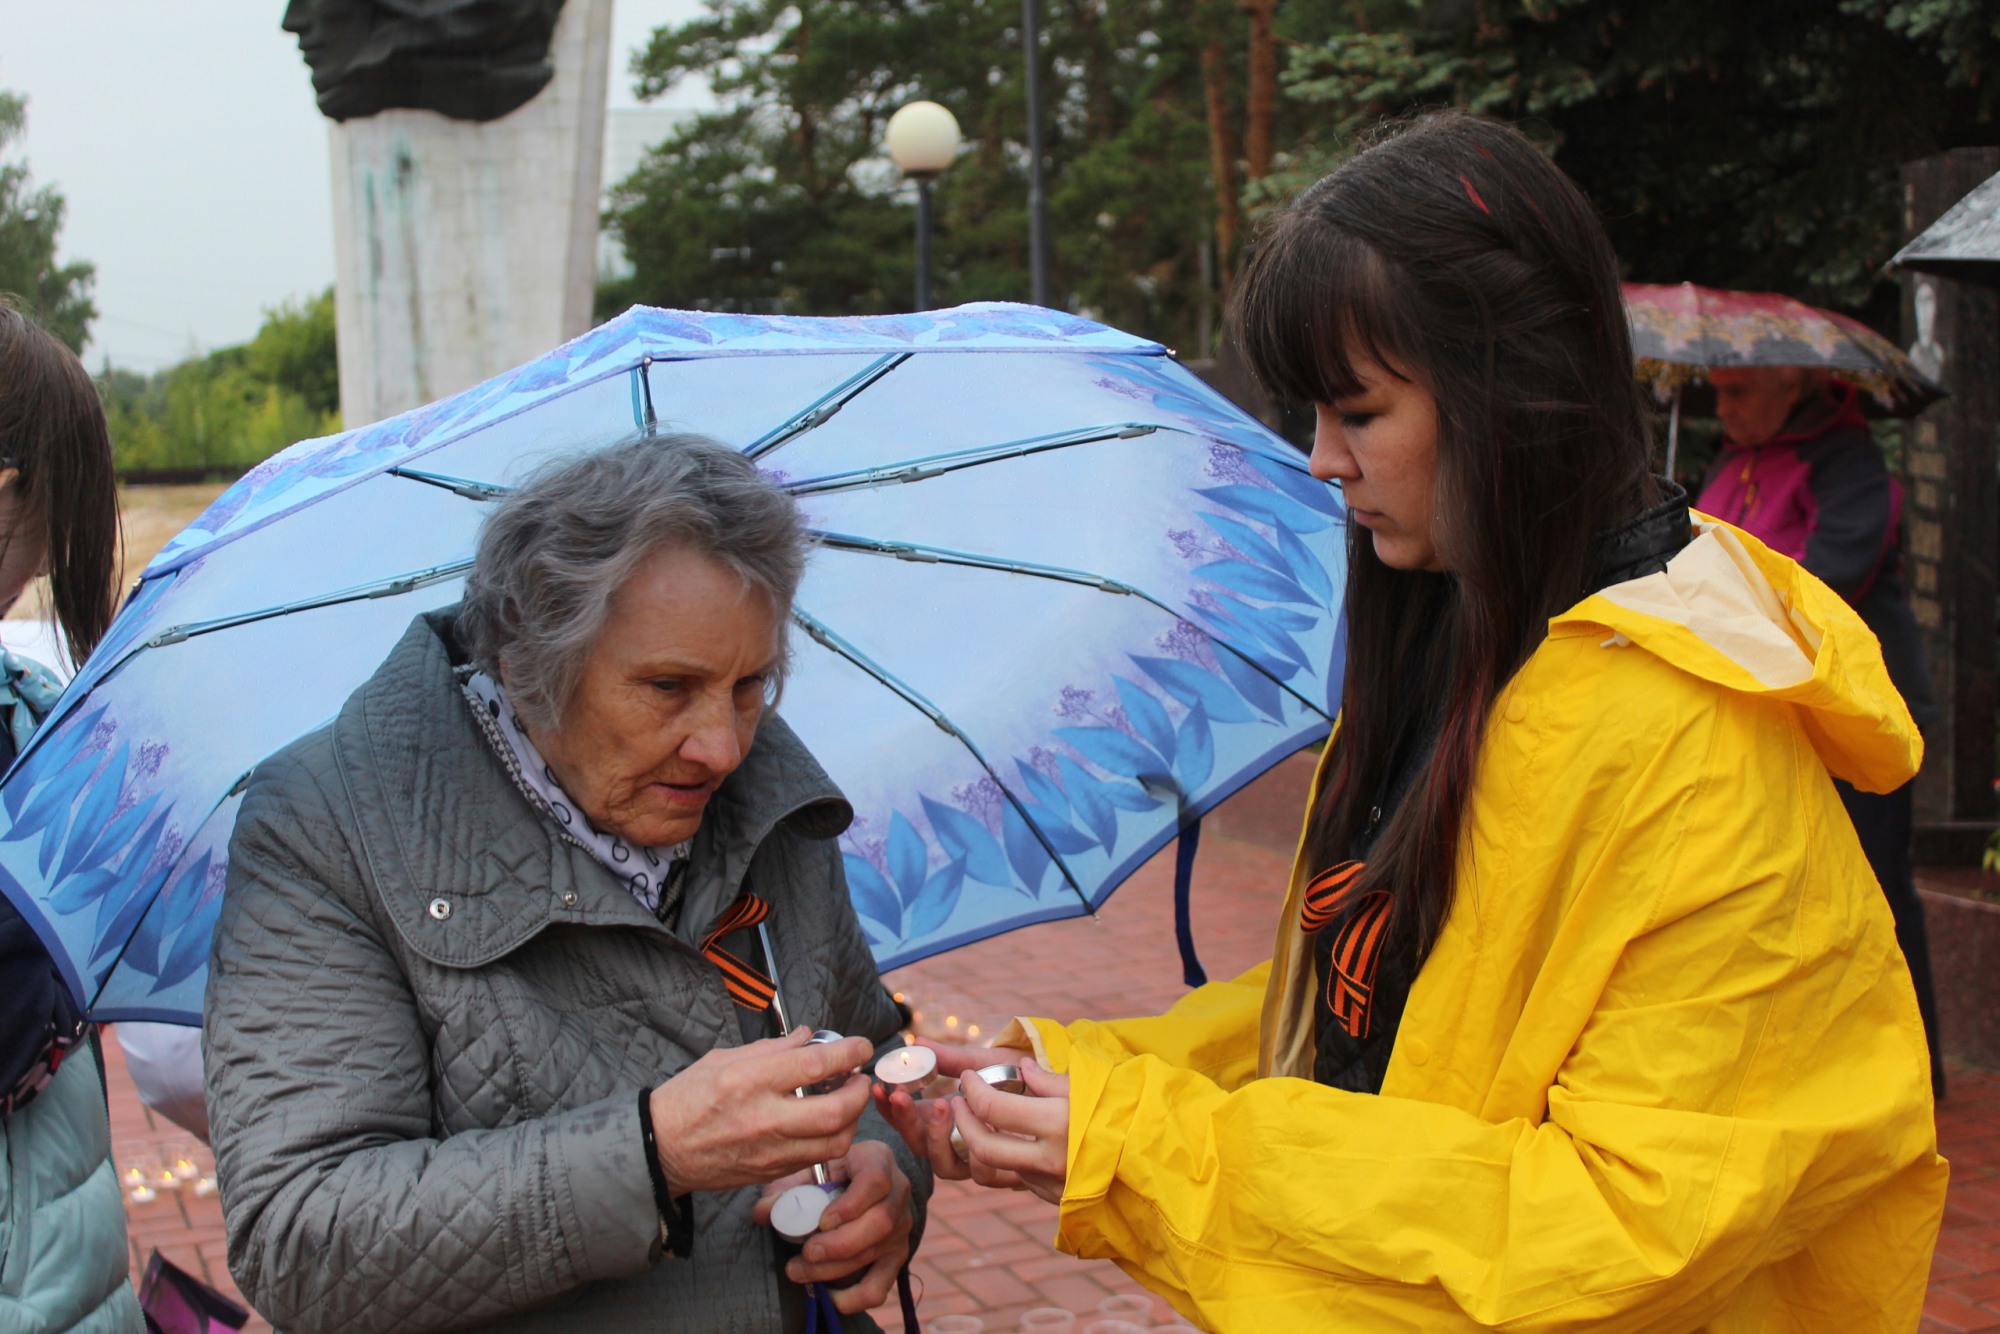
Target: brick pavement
988	1253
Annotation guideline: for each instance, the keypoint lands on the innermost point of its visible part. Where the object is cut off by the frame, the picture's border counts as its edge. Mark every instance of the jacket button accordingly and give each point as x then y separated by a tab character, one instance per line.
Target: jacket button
1418	1051
440	908
1517	708
569	898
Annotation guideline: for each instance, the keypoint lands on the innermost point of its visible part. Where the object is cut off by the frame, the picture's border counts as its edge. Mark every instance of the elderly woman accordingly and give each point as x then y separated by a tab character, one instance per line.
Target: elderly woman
488	1034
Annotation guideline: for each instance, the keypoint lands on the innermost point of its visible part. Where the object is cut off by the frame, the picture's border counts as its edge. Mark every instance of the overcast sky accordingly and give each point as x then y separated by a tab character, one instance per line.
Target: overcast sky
184	135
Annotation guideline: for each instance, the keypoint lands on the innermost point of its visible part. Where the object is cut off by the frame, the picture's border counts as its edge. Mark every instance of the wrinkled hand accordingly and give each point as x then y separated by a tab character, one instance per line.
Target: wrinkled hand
731	1119
926	1125
866	1228
1015	1140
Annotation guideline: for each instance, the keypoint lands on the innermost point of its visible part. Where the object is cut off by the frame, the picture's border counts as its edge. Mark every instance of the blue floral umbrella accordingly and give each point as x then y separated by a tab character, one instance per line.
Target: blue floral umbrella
1067	599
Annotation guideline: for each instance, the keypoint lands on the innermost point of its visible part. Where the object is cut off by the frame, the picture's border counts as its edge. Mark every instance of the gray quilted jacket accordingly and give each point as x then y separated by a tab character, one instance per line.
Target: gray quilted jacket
429	1014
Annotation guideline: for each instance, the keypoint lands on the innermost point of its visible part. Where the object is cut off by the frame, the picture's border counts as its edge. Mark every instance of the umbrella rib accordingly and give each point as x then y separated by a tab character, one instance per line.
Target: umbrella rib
915	551
396	587
861	479
833	643
921	469
459	486
827	404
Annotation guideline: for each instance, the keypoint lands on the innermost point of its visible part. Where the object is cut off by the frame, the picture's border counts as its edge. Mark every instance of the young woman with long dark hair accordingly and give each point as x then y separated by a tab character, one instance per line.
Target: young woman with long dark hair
1585	1012
63	1253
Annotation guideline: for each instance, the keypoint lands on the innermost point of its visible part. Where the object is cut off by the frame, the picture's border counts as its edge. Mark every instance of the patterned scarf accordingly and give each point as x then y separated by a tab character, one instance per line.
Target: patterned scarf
654	875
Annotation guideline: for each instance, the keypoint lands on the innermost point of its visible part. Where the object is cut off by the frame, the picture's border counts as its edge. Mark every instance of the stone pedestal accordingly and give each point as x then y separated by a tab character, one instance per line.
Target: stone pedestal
463	249
1963	922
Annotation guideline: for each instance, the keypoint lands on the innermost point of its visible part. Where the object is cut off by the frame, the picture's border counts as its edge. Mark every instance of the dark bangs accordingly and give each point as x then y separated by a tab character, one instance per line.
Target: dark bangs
1315	301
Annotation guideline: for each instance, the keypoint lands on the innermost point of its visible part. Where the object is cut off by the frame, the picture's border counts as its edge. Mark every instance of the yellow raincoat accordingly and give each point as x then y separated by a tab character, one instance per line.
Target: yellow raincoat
1662	1071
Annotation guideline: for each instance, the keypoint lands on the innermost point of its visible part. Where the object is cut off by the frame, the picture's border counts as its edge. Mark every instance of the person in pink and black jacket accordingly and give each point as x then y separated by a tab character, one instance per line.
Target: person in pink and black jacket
1800	470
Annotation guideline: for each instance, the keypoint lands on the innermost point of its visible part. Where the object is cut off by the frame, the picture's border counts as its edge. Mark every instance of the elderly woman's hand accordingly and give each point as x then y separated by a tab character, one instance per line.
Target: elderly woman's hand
731	1119
866	1230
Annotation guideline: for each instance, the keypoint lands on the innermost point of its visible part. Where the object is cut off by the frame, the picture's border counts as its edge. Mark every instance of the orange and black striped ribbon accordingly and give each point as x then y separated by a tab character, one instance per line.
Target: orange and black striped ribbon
749	986
1357	949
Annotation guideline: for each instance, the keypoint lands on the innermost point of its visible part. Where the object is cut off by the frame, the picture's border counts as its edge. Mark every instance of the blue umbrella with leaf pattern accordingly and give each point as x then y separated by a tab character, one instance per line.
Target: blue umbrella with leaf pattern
1067	598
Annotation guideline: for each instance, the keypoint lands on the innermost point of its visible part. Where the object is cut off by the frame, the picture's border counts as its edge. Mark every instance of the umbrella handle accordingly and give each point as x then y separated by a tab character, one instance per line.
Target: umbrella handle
1673	433
1192	972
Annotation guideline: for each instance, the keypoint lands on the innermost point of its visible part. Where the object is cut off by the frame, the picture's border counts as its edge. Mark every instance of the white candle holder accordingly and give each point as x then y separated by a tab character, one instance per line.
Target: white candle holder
907	1068
796	1214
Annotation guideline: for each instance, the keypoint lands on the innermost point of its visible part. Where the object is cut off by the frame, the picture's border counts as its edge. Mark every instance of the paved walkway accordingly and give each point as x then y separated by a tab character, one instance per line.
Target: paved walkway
988	1253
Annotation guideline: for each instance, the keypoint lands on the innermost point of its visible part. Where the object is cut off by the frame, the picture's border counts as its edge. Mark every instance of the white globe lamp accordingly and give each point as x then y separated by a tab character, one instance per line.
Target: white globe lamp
922	140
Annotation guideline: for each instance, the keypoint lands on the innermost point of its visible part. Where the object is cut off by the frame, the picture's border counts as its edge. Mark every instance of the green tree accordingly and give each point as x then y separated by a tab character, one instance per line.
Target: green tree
781	200
1747	145
57	295
233	407
295	350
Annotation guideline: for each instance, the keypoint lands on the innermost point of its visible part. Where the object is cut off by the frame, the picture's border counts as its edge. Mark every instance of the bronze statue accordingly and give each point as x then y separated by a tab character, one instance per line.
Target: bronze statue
468	59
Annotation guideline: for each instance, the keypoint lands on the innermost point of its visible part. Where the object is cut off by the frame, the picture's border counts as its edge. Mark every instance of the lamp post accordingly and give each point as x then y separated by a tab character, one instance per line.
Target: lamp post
922	141
1038	200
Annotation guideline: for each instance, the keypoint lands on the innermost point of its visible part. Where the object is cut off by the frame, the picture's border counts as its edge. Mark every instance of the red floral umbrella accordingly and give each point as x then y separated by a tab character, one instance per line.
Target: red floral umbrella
1680	332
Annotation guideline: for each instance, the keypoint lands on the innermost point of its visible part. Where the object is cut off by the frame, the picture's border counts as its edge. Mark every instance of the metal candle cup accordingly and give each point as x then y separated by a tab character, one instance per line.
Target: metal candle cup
1005	1078
906	1068
821	1037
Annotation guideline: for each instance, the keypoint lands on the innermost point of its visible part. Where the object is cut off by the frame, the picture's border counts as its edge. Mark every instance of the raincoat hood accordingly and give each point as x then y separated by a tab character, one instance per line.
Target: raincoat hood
1734	613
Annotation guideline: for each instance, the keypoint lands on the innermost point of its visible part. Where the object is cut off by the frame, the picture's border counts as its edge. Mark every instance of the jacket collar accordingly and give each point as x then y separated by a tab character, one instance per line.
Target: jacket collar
1644	543
440	820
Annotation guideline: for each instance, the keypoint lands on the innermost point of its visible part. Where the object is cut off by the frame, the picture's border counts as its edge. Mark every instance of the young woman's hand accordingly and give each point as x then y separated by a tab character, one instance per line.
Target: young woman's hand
1016	1141
866	1230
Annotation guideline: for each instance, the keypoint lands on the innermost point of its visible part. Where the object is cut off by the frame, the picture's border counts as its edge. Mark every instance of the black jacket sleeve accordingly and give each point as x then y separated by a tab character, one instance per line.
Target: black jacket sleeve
39	1020
1850	489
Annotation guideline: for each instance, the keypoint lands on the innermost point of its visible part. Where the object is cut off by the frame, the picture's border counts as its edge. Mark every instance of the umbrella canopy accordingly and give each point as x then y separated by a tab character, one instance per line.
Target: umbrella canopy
1681	332
1964	243
1067	599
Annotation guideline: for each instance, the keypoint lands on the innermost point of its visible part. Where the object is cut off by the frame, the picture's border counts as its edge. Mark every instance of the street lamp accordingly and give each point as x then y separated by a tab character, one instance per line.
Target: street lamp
1038	198
922	140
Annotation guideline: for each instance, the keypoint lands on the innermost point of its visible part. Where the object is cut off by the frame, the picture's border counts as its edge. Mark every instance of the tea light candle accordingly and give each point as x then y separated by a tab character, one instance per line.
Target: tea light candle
143	1194
185	1169
204	1186
796	1214
906	1068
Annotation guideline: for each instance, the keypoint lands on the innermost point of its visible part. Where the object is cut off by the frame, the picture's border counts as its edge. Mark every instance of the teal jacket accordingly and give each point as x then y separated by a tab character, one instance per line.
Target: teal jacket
64	1260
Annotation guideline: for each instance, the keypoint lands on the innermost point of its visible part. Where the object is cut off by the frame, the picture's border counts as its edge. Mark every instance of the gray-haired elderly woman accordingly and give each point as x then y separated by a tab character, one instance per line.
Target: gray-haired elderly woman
486	1034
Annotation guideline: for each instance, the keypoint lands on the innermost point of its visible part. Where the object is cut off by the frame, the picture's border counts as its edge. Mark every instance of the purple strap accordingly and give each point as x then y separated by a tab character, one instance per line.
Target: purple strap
820	1307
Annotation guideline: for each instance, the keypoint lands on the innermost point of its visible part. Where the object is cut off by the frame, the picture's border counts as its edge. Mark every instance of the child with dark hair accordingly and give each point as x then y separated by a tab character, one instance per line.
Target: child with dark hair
1585	1012
63	1253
